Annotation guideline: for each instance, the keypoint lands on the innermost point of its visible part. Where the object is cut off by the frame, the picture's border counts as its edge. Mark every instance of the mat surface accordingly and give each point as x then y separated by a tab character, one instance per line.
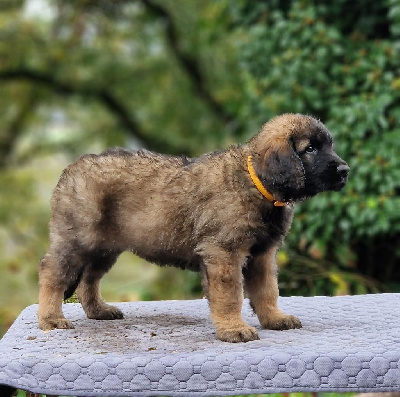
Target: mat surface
170	348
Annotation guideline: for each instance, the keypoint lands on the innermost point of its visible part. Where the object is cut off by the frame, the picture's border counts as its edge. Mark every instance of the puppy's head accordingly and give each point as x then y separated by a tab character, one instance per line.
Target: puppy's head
294	158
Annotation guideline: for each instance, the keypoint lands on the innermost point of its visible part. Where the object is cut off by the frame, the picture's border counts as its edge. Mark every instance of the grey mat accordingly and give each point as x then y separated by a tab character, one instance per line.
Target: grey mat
170	348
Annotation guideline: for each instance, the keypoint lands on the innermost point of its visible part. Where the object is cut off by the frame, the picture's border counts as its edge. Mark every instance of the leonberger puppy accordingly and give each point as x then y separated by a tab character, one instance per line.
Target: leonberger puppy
223	214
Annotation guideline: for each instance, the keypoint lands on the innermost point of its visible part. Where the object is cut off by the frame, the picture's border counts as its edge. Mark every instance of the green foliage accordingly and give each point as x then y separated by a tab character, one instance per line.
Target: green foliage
314	58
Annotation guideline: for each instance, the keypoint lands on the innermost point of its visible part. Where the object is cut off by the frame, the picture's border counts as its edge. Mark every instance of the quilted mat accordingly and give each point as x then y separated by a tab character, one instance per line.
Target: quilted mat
349	343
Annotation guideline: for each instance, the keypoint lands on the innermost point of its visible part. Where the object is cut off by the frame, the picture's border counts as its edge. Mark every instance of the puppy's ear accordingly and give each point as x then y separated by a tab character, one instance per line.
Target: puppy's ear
281	170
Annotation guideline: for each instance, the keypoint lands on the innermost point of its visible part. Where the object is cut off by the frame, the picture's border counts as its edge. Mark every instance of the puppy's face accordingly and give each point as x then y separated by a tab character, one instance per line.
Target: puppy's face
323	168
299	160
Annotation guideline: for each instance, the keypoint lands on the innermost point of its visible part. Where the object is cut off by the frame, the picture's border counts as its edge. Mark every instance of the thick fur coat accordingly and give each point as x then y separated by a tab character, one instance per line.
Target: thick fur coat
204	214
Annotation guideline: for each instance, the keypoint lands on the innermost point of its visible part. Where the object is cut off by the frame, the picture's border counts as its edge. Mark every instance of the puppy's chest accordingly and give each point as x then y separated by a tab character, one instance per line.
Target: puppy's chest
270	228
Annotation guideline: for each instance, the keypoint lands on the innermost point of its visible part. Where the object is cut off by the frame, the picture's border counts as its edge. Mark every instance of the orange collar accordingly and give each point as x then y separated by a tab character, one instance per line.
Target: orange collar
260	186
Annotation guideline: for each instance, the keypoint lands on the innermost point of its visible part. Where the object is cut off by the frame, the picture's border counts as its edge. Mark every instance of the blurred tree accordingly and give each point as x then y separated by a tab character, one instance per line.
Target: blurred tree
135	68
79	76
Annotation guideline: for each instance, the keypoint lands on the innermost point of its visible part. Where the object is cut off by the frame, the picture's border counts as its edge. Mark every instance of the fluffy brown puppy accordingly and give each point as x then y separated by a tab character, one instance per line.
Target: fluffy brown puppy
223	214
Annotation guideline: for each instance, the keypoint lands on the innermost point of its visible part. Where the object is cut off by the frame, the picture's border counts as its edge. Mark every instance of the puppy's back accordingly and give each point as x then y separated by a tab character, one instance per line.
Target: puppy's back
117	200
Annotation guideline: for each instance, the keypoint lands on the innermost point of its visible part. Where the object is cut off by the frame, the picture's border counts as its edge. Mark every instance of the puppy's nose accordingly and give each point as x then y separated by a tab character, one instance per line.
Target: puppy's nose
343	170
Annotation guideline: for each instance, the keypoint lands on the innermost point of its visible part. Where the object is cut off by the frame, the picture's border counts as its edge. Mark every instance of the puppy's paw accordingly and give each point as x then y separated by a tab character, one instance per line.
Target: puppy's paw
105	312
48	324
281	322
244	333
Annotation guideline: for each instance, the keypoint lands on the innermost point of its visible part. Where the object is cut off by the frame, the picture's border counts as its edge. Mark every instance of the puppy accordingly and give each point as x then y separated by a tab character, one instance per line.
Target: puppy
223	214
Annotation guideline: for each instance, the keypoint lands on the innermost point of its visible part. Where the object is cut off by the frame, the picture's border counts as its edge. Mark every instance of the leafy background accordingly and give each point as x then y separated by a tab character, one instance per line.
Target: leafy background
190	77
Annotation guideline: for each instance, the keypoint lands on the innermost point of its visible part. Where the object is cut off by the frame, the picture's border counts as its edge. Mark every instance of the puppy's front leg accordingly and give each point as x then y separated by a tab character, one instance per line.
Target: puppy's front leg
223	286
261	283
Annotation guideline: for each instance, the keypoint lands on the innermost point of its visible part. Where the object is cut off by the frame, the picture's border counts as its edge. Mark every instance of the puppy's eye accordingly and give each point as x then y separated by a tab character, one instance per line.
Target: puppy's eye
310	149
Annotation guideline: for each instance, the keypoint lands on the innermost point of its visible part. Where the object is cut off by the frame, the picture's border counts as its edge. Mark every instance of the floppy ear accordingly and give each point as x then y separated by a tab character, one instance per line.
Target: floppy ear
281	170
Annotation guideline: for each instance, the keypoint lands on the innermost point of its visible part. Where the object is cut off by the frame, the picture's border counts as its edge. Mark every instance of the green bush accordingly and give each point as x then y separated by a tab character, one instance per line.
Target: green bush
339	62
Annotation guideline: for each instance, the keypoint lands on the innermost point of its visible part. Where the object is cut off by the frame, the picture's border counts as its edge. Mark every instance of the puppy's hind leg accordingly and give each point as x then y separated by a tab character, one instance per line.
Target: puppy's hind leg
88	290
58	274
